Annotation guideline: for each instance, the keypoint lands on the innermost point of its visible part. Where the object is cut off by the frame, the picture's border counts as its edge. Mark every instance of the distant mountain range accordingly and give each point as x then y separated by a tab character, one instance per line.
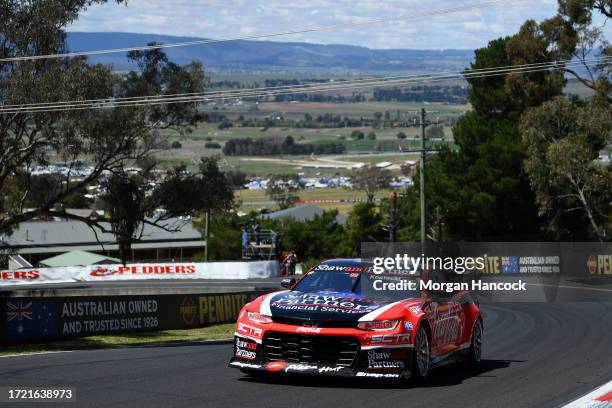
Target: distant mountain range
277	57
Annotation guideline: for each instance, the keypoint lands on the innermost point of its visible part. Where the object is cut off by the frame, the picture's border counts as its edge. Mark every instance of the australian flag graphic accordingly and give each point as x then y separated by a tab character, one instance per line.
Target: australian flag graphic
509	264
30	318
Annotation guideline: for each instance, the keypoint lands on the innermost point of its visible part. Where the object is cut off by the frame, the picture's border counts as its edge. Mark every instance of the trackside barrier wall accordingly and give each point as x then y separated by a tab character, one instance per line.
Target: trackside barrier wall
130	272
25	320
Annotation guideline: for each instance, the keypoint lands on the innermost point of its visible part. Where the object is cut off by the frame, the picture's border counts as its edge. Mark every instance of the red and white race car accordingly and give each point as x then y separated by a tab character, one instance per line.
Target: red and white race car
340	319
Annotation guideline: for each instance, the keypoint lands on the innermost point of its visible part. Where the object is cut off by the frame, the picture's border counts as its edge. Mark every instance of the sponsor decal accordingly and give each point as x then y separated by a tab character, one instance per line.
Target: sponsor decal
340	268
249	355
308	329
408	326
246	349
188	310
276	366
245	365
249	330
386	359
326	303
329	369
300	367
27	275
246	344
402	338
446	327
415	310
376	375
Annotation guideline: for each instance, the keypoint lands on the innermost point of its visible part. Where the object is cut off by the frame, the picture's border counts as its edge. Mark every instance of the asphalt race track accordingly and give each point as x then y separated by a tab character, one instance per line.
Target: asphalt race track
535	355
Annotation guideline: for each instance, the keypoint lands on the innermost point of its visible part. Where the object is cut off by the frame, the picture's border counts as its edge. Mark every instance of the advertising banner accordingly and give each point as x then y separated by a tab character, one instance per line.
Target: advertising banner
24	320
131	272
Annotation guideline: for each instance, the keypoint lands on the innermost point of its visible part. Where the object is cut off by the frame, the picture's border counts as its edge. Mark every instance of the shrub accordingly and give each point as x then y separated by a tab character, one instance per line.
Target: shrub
212	145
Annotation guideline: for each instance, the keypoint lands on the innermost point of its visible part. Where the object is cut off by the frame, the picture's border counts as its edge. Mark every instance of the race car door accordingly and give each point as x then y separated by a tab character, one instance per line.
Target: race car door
446	324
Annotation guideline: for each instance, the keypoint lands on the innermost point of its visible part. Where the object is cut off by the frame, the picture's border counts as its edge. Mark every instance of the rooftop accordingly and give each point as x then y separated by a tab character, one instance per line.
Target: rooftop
78	258
39	237
303	212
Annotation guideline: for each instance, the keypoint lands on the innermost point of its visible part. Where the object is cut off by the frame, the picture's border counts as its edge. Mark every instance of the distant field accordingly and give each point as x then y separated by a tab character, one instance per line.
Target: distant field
193	143
255	199
362	108
310	194
358	109
263	168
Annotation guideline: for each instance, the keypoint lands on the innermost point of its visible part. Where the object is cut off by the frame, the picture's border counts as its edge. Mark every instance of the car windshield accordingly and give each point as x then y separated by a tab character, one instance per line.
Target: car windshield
356	280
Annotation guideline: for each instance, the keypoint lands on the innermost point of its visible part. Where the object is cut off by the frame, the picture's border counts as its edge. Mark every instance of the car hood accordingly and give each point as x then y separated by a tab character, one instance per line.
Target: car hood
293	307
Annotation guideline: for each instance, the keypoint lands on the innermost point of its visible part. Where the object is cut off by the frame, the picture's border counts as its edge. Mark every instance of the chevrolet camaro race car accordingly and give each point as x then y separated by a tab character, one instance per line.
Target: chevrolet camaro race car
336	321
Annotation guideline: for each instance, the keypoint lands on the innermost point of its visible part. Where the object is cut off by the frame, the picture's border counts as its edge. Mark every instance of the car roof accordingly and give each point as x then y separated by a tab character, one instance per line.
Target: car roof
346	262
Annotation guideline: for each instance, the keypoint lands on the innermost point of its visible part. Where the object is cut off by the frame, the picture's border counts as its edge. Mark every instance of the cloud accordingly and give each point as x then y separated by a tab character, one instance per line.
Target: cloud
228	18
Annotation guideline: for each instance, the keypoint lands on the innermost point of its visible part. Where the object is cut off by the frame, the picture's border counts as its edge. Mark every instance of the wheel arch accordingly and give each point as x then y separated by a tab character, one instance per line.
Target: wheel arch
427	326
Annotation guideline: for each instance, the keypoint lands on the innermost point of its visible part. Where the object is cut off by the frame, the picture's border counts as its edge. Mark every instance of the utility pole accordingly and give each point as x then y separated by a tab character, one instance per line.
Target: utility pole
422	180
393	217
423	150
207	235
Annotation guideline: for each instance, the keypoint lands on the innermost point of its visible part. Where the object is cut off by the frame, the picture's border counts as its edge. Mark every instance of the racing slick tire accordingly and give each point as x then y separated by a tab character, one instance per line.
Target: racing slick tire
420	355
474	353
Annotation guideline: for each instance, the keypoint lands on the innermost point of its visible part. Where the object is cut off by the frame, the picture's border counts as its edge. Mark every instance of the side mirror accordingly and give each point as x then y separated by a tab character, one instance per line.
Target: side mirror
288	282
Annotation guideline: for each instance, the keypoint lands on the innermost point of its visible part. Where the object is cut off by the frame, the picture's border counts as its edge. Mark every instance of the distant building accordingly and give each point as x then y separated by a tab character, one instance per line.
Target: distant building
35	241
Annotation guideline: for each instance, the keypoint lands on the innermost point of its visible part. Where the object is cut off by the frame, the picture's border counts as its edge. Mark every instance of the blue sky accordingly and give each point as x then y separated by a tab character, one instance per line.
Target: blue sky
230	18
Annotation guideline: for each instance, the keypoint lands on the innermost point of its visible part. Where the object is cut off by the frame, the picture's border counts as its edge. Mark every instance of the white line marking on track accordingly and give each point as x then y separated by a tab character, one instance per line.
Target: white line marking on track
38	353
598	398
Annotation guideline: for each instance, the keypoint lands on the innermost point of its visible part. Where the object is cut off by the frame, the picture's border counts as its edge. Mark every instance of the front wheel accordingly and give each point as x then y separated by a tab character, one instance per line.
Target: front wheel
475	352
420	355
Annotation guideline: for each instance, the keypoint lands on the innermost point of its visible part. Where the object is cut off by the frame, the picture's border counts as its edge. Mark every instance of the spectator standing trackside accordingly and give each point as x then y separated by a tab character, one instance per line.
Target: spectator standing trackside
290	262
257	230
245	239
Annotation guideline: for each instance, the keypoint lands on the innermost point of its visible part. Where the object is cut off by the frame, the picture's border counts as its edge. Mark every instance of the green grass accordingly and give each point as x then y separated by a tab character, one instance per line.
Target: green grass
216	332
310	194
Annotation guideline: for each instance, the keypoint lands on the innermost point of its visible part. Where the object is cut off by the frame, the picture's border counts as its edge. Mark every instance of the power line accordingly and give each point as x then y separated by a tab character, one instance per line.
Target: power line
231	93
346	85
401	17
